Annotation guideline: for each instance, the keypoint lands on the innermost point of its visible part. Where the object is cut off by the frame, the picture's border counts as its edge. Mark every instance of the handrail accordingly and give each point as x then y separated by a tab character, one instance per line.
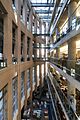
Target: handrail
53	100
62	66
3	63
69	29
71	114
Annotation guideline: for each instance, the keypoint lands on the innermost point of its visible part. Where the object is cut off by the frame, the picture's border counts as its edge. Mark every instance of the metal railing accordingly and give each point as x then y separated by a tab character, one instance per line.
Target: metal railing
40	59
53	99
14	60
3	63
64	65
71	114
74	26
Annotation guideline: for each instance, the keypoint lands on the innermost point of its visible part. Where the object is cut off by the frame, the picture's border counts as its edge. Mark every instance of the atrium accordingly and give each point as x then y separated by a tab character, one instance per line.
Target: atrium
39	59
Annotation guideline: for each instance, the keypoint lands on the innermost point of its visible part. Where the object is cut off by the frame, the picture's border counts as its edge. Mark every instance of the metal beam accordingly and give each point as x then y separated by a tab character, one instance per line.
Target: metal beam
42	5
43	11
41	34
45	17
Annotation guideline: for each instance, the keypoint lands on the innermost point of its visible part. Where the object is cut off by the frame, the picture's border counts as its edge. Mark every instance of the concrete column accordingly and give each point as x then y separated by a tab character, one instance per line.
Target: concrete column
71	53
35	50
18	43
31	84
35	25
31	50
40	51
57	52
25	47
25	88
18	6
19	93
36	76
72	95
71	43
25	13
57	32
71	8
7	50
10	100
40	36
30	21
45	40
44	69
40	74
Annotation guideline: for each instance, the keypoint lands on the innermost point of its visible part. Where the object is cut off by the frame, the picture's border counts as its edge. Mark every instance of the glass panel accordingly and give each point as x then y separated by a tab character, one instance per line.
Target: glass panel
14	96
3	104
0	94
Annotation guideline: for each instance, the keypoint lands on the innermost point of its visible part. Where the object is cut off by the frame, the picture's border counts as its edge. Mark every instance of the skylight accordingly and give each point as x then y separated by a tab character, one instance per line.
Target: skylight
43	9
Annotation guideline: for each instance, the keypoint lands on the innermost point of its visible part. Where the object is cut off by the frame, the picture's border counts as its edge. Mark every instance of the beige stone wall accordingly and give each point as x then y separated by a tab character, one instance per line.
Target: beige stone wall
8	73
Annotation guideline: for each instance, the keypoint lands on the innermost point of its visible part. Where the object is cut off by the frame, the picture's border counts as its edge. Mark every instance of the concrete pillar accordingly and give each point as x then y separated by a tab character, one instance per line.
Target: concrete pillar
25	12
19	93
71	8
18	6
25	88
40	74
31	50
72	96
30	21
25	47
7	50
10	100
71	53
40	36
45	69
31	84
57	33
39	51
71	43
57	52
36	76
35	25
18	43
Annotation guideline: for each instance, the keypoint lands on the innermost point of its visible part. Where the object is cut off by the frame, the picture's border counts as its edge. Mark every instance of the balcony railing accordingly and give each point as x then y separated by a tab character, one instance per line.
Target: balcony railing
42	47
14	60
3	63
74	26
41	59
53	98
22	59
71	114
64	65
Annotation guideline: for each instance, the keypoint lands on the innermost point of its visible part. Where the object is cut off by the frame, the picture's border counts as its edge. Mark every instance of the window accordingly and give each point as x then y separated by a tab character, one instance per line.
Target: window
14	31
1	36
22	11
28	48
42	70
28	78
13	3
22	46
3	104
22	84
38	75
73	23
37	53
34	77
14	96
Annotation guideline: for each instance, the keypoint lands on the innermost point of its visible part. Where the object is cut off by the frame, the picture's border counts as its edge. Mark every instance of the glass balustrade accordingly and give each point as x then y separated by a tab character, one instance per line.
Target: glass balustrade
71	114
64	65
75	25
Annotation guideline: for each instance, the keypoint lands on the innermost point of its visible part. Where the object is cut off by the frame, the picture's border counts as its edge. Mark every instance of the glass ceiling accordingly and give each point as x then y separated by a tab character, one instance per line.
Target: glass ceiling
43	9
